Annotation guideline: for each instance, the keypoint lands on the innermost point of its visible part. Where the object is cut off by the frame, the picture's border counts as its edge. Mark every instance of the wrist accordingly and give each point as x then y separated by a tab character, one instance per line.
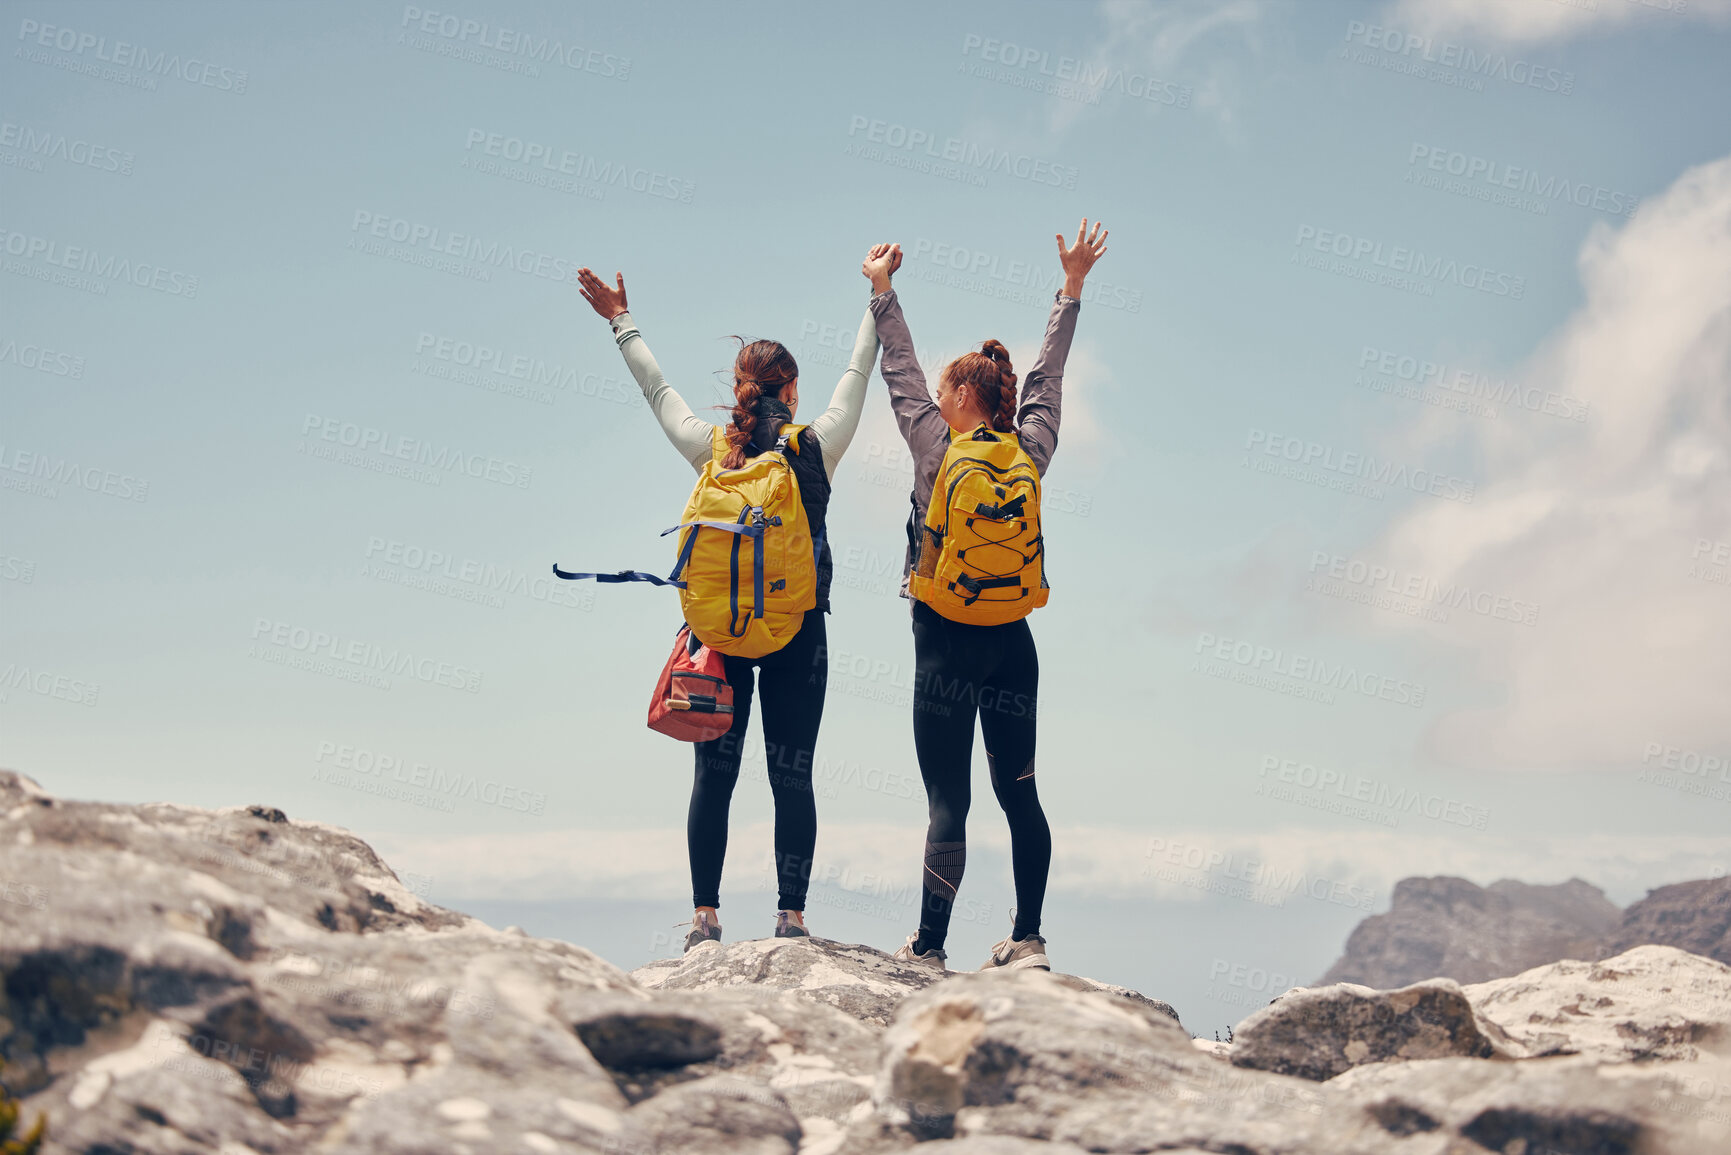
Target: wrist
1073	287
880	286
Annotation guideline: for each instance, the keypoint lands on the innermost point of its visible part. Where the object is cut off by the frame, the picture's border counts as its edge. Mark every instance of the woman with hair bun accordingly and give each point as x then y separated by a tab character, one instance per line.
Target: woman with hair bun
991	449
792	680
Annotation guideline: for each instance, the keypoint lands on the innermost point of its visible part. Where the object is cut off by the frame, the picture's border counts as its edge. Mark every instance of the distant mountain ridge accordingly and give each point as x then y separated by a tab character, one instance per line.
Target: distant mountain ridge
1453	928
1693	916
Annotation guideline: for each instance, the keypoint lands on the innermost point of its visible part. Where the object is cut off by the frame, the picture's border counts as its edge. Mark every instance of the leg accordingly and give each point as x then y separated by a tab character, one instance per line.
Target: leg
791	687
1007	709
712	791
944	744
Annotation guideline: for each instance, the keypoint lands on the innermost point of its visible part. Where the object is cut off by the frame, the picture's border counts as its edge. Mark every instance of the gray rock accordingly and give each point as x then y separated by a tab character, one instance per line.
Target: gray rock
237	976
1018	1045
860	981
1322	1031
1000	1145
630	1034
1563	1105
239	981
1042	1057
1651	1002
1213	1048
722	1115
820	1061
1159	1005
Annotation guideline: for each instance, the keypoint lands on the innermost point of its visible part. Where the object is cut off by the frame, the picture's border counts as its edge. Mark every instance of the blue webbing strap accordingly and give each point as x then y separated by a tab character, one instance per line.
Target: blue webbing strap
624	575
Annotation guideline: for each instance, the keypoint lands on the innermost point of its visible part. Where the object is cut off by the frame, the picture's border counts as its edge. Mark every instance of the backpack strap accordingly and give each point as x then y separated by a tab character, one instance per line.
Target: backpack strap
790	437
632	575
746	526
975	586
624	575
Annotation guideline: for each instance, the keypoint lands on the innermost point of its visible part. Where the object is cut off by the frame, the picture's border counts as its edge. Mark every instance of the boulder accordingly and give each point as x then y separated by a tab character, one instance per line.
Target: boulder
720	1114
1044	1056
1576	1105
1651	1002
234	977
1319	1032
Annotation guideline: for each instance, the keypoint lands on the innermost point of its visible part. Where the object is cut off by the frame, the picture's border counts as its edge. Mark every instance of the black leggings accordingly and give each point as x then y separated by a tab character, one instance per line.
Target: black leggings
792	681
994	672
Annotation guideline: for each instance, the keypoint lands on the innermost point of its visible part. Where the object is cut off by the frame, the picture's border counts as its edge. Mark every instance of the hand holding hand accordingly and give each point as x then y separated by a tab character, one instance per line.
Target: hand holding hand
608	302
880	264
1078	258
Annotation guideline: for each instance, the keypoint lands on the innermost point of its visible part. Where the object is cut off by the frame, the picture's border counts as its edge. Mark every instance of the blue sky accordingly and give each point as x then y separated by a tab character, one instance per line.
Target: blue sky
1388	528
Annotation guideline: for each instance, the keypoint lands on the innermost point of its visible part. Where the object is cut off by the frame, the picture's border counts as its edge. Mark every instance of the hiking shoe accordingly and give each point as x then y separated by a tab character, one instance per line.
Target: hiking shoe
1010	955
789	927
933	958
704	928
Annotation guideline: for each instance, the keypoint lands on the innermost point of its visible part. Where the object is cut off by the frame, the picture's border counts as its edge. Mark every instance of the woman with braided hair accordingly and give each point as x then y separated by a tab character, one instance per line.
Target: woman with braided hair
964	670
792	680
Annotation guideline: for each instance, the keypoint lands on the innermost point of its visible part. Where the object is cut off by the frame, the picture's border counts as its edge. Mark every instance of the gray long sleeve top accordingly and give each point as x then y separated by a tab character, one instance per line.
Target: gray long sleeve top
692	436
922	425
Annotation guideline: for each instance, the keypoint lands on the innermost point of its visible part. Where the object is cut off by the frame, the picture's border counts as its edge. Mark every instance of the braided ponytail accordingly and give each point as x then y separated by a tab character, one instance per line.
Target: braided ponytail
762	369
744	422
991	381
1004	416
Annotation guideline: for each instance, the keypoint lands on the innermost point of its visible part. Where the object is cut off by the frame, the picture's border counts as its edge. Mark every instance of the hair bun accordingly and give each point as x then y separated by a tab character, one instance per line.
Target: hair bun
994	349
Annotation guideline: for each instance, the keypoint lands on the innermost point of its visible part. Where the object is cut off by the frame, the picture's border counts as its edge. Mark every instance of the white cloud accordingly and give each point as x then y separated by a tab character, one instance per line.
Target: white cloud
1161	40
1599	524
1097	862
1536	21
647	862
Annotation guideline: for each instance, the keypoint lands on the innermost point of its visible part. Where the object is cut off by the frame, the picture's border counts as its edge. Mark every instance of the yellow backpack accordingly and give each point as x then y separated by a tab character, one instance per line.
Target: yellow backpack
980	557
749	562
746	570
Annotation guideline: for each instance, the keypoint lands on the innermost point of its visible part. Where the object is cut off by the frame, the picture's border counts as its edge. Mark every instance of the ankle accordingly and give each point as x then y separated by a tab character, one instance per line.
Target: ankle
794	915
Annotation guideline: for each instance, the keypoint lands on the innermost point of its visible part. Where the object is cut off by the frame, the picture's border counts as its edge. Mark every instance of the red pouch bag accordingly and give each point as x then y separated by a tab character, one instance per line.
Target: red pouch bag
693	701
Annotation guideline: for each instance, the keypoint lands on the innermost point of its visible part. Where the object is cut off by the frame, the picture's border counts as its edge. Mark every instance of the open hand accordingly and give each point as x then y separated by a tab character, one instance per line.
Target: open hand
880	264
1079	257
608	302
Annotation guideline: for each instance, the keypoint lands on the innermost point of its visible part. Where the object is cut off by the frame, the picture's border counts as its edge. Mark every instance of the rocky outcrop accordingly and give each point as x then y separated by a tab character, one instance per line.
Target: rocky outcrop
1692	916
1451	928
861	982
1650	1002
175	980
1320	1033
865	983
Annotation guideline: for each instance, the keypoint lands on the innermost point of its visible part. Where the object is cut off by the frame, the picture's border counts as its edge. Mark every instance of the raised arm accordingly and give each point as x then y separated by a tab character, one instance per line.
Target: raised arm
834	427
922	426
689	433
1043	388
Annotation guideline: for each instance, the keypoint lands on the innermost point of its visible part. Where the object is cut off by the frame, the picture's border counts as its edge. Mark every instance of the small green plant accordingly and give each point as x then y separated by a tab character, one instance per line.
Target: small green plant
10	1142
